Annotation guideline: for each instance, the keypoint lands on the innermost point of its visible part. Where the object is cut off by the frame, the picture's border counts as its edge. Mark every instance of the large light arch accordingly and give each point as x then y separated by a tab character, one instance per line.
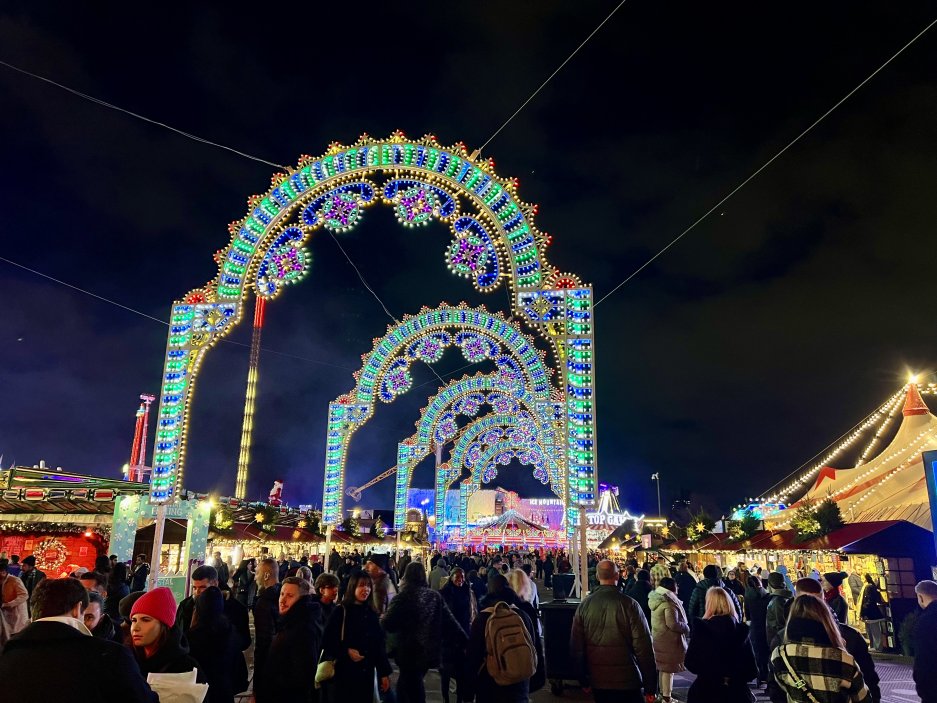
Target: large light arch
385	373
437	424
495	240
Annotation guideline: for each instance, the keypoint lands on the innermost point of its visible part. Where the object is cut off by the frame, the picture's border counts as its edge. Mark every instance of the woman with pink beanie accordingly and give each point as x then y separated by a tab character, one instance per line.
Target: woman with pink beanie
157	645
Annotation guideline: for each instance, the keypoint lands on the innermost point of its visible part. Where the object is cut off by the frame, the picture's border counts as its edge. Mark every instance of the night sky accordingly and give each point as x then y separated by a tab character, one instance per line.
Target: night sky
768	331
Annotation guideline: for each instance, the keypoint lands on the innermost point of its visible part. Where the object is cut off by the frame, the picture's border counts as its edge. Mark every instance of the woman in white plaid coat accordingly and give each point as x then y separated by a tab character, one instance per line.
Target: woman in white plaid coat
812	665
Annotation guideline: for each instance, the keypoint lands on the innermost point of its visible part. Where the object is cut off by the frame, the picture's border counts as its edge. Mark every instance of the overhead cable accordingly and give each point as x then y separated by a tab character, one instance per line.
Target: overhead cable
764	165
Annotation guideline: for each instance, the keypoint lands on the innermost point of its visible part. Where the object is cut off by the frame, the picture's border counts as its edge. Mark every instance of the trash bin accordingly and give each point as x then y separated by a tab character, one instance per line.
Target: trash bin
562	585
557	618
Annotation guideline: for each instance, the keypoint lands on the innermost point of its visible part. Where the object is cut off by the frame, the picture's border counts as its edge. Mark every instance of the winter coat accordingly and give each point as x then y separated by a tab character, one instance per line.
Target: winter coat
289	672
480	685
721	656
871	606
686	582
138	577
382	592
105	630
857	648
640	590
776	614
419	619
698	599
831	673
216	649
172	658
107	671
15	609
611	643
925	650
669	630
540	675
461	603
436	576
354	681
234	610
266	613
839	606
115	592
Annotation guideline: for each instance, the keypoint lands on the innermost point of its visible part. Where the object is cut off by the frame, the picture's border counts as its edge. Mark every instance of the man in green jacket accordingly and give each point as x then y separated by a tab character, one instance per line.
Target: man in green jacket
612	643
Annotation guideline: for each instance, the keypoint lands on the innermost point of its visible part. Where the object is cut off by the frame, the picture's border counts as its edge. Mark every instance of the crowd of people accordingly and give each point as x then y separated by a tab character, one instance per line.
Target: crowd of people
330	632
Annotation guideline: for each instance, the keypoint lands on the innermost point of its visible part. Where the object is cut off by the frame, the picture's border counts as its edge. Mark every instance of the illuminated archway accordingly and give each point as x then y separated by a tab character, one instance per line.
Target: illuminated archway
494	241
438	425
385	374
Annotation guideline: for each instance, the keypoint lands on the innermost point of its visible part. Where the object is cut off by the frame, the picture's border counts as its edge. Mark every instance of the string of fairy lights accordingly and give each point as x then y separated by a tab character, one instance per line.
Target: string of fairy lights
881	419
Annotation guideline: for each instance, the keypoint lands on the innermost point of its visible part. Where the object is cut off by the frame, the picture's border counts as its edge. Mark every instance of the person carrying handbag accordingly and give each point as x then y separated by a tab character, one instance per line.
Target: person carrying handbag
871	612
812	664
354	641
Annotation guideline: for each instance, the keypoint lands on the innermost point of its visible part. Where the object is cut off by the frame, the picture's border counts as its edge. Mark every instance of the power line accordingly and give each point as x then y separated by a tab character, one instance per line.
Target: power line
765	165
372	292
156	319
103	103
550	77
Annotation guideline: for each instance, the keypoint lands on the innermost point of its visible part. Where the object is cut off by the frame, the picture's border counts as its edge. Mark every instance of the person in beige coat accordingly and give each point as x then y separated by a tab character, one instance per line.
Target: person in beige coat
13	594
669	630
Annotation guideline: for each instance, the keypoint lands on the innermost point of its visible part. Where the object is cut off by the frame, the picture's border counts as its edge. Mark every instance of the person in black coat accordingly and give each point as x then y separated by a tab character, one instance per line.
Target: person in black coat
856	646
712	576
831	594
756	605
640	590
158	645
266	613
206	576
354	640
36	661
290	670
460	600
98	621
481	687
215	645
117	589
686	582
720	653
419	619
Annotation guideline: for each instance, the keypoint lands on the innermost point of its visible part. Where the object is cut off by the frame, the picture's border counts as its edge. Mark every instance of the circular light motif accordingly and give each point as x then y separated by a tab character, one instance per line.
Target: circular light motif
397	380
446	428
467	256
490	473
469	405
341	212
430	349
416	206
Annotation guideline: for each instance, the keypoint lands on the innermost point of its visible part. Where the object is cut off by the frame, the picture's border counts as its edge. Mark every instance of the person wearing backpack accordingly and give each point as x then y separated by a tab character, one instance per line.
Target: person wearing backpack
502	652
611	643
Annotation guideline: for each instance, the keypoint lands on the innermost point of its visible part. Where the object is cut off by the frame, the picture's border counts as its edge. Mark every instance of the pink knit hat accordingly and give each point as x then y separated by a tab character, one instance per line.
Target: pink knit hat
158	603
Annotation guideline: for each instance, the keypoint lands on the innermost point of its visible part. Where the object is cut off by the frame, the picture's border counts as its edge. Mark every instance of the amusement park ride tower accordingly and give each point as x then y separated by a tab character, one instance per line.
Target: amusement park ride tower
136	468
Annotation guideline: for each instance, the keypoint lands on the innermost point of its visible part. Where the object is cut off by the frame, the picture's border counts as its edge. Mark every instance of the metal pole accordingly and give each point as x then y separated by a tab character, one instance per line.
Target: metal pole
328	550
156	557
583	554
659	514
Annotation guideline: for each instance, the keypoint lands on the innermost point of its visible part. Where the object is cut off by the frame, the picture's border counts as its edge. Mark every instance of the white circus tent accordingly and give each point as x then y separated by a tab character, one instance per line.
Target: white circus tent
888	486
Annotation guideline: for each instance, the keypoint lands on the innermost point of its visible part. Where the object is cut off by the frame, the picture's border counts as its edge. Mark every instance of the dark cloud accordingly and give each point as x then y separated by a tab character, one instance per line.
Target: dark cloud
770	329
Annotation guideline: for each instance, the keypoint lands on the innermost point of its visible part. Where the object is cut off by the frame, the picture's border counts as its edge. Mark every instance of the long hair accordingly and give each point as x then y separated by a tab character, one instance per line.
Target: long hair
522	585
806	607
414	576
356	578
719	603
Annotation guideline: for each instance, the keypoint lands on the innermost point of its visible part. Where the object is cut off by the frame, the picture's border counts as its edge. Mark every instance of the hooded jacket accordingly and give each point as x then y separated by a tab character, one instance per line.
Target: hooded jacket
669	630
776	613
721	656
